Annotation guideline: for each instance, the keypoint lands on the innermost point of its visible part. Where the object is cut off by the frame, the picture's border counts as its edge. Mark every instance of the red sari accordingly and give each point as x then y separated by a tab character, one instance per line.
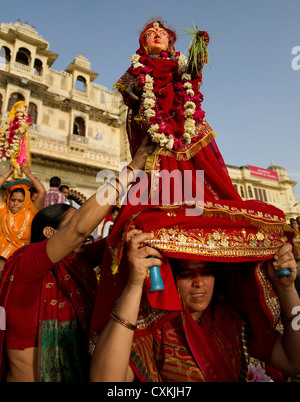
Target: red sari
49	307
187	351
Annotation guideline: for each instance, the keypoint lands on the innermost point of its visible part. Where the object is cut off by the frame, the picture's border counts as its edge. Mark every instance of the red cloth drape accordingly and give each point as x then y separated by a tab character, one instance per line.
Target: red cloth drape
223	227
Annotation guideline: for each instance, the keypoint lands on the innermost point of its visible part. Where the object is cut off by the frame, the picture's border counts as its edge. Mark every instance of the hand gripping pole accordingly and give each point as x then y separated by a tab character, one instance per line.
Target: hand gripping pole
156	282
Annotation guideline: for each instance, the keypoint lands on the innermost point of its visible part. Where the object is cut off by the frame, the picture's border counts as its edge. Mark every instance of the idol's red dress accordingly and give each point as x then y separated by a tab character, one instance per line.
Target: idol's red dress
217	225
170	93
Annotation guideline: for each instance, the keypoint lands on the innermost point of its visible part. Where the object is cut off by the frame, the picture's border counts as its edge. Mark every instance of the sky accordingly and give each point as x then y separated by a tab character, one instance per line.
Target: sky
251	89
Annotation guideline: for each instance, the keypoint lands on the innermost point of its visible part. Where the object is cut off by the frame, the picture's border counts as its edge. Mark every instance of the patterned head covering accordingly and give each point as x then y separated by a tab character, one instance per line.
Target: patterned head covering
13	111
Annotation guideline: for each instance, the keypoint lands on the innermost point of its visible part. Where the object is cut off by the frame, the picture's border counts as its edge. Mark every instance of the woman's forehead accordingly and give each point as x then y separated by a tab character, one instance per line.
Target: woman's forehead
17	194
192	264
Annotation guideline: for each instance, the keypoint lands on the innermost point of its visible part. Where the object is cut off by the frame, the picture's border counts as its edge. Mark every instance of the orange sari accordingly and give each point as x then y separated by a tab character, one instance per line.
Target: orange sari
15	229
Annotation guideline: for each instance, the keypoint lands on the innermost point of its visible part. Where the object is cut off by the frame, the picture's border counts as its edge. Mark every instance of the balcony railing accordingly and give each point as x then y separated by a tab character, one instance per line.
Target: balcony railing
78	139
75	146
22	68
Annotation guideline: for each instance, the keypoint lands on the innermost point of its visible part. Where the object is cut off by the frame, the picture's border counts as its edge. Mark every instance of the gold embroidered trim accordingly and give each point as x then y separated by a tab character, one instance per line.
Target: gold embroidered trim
270	296
215	242
257	216
270	225
92	343
152	161
145	320
265	221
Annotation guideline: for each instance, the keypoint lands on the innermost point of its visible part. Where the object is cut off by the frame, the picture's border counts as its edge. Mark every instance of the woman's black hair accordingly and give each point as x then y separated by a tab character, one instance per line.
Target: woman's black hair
51	216
18	190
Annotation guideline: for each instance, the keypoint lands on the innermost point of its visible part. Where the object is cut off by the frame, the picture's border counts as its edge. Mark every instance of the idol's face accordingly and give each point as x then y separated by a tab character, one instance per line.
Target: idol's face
195	283
21	109
157	39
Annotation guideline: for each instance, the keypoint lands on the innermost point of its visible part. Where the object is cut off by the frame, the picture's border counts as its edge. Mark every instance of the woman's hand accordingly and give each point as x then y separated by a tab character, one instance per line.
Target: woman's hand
26	169
285	355
7	174
10	170
137	254
284	258
146	148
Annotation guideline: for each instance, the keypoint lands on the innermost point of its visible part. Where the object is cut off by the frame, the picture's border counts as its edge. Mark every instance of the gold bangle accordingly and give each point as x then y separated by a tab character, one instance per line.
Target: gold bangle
114	187
122	186
123	322
133	172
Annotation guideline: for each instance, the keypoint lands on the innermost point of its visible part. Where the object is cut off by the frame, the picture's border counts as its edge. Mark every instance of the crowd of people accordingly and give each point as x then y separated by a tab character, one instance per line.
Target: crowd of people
48	290
20	201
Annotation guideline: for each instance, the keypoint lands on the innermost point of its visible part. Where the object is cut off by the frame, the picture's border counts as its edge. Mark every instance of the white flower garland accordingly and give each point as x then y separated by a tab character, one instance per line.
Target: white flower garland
149	102
10	149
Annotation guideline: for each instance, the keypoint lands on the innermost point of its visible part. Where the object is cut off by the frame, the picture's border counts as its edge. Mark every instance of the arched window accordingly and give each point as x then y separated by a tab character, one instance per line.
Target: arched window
80	83
242	191
38	67
23	56
102	98
265	196
79	126
4	54
14	97
32	111
250	194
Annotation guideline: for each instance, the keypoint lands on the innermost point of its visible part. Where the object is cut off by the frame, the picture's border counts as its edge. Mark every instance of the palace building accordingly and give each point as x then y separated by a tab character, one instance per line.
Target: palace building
272	185
79	126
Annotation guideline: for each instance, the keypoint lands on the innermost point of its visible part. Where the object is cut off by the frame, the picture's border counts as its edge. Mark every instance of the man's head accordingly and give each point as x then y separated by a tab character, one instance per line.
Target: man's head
114	213
55	181
65	190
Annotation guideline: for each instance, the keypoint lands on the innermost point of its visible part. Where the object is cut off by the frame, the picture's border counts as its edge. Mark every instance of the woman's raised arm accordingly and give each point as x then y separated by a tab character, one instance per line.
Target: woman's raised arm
111	356
89	215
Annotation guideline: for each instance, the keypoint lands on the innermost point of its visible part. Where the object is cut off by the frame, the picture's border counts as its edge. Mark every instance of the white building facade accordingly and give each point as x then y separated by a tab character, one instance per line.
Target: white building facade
78	126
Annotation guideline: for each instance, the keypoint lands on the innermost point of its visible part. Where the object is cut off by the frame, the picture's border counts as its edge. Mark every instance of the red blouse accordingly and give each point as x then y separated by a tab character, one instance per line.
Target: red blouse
24	299
26	287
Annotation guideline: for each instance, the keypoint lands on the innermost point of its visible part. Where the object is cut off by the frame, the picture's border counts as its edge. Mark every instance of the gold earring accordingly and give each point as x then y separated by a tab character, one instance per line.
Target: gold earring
49	231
